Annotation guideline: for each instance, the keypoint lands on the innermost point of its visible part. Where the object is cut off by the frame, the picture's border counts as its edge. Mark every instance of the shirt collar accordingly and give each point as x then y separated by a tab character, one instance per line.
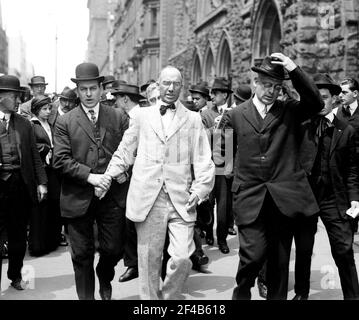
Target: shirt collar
260	104
131	112
330	116
222	107
6	115
353	106
96	109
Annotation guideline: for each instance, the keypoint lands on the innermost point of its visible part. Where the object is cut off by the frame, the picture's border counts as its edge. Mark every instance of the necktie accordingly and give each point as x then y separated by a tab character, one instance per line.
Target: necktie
164	108
265	110
322	124
93	117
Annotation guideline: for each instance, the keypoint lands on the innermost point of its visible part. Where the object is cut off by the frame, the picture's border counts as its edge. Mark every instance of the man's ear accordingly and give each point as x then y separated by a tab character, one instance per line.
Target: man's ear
255	81
356	94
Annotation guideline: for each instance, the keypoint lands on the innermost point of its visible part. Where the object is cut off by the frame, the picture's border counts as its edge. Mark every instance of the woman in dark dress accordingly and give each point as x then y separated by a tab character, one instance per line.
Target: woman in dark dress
45	221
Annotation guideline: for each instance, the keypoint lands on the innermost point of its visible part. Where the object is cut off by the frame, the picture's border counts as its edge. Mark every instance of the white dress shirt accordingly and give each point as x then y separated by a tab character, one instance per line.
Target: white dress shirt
261	106
95	109
7	117
133	110
167	117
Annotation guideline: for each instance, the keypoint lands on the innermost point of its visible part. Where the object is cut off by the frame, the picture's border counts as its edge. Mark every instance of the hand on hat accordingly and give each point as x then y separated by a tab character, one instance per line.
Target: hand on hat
283	60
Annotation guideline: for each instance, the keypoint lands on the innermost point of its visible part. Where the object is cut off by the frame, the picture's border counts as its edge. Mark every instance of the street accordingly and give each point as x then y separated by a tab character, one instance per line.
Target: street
51	277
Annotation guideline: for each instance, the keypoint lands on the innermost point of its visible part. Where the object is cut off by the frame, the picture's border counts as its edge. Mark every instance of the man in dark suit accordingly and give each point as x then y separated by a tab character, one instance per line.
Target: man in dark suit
220	93
85	139
328	156
22	177
269	188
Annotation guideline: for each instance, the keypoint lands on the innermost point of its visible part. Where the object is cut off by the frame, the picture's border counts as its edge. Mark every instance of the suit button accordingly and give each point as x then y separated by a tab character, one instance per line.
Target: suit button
263	157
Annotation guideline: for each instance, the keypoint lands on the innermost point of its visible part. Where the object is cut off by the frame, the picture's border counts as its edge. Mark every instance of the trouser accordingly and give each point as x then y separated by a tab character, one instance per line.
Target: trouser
14	213
340	234
269	238
130	257
223	195
110	220
151	235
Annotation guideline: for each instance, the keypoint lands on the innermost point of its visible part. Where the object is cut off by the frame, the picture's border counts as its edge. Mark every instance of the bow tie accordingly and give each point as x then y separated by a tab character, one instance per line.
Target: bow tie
164	108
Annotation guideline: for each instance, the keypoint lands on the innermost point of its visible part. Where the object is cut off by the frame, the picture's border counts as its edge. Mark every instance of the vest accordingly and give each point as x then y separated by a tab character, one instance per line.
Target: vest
102	162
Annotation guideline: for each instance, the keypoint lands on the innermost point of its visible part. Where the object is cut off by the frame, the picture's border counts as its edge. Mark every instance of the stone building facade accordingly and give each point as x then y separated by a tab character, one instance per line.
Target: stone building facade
3	48
227	37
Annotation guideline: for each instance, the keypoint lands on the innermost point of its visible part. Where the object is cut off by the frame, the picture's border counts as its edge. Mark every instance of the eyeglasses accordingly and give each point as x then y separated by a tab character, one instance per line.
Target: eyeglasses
269	85
176	84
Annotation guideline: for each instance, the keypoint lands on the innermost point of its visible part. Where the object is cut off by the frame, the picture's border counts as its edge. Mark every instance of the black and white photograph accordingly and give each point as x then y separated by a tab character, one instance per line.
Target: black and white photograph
201	151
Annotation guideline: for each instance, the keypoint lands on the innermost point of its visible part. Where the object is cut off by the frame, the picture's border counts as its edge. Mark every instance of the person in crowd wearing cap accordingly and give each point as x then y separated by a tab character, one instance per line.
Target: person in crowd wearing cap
85	139
107	83
328	155
22	177
66	102
107	98
38	87
164	193
269	190
127	98
220	92
242	94
45	220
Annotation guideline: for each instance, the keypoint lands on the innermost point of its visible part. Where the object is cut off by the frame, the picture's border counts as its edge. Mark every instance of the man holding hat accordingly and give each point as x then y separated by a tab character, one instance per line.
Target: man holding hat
85	139
22	177
38	87
241	94
270	188
328	156
220	92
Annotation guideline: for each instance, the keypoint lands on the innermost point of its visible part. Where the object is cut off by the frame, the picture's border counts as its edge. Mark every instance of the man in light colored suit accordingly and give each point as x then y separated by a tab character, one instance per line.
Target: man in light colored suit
172	172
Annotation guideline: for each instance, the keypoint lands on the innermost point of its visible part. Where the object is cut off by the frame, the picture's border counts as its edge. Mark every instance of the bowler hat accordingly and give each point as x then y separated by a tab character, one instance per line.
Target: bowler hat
243	92
269	69
221	84
10	83
324	80
108	79
38	102
87	71
119	87
37	80
201	88
68	94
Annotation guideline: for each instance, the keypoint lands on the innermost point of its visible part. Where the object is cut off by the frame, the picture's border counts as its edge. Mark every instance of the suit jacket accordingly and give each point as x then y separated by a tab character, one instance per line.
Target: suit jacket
160	160
32	170
267	154
76	156
343	168
42	139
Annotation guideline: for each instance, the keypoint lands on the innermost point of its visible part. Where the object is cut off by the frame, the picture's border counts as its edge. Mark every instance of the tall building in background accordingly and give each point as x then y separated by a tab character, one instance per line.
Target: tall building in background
18	64
3	47
208	38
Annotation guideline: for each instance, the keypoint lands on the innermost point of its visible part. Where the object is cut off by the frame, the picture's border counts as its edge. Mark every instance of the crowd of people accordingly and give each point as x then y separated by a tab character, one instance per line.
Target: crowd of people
135	173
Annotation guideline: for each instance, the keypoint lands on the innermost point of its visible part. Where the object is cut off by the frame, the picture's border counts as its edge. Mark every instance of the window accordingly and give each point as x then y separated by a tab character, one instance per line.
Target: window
153	22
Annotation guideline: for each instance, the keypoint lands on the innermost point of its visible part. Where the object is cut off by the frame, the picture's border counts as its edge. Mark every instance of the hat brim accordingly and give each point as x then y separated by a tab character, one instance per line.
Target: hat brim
117	92
240	98
222	89
200	92
9	89
333	88
35	84
270	74
77	80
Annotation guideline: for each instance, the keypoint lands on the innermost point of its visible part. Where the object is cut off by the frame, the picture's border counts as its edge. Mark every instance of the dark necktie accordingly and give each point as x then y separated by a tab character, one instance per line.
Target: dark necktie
346	111
322	124
93	117
164	108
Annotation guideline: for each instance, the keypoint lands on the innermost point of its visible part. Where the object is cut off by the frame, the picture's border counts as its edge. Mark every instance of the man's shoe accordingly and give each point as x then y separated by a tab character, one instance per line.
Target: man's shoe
300	297
223	247
232	232
18	284
130	273
105	291
199	260
209	239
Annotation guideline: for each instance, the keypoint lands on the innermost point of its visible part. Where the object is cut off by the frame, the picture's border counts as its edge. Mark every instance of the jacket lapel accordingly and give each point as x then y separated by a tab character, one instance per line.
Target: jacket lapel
103	120
249	115
337	134
18	128
85	123
178	121
273	114
156	123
